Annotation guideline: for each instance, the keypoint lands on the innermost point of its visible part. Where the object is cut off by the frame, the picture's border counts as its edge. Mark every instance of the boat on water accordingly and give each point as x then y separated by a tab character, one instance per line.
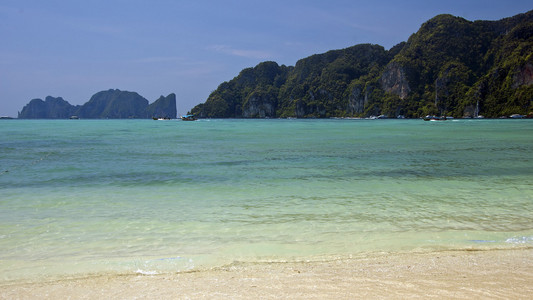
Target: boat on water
435	118
516	116
188	118
160	119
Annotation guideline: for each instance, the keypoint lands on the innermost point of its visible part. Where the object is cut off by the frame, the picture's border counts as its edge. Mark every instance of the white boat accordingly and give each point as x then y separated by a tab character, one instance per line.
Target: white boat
516	116
435	118
188	118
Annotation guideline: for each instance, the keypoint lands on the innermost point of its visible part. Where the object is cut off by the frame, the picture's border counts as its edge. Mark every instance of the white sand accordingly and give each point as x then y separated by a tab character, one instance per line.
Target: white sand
503	274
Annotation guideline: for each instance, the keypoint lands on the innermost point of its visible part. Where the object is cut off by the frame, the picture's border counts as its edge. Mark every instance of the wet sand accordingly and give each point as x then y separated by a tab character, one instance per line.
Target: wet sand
496	274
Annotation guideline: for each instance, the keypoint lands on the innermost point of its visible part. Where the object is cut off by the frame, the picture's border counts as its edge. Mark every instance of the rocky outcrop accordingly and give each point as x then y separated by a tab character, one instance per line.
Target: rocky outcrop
114	104
50	108
259	105
395	81
164	107
110	104
523	76
357	100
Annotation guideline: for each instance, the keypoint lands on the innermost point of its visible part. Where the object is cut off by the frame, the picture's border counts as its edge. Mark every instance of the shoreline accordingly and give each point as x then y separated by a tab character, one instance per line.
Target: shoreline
446	274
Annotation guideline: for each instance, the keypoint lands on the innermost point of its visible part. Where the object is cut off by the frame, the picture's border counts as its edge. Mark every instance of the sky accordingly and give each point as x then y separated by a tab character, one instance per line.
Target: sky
76	48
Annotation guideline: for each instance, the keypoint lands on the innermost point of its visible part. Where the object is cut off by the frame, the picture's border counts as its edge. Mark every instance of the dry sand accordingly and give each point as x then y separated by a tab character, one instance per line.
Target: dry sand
498	274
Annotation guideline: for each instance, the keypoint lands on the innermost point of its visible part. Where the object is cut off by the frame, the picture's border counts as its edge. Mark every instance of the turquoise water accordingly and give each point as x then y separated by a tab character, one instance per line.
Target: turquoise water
122	196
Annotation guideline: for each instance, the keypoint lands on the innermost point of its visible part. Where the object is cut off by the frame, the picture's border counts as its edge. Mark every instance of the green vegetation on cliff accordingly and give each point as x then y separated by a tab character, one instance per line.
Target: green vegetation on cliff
450	66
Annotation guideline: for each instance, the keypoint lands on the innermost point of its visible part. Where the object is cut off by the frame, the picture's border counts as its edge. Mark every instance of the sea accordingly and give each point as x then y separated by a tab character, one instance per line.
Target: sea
87	197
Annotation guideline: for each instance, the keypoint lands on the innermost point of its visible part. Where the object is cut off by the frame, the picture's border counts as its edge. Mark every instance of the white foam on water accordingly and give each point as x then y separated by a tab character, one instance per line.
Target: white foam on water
520	240
142	272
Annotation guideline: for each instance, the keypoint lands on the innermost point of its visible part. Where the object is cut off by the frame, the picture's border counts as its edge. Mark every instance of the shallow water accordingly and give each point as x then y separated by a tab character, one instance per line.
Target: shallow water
125	196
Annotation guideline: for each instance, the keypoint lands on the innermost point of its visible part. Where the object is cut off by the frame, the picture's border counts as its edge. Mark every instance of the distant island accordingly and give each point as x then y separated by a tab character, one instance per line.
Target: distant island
451	67
110	104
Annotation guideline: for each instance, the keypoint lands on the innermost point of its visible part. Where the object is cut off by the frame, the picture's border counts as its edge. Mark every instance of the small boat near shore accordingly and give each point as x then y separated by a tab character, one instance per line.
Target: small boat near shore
189	118
435	118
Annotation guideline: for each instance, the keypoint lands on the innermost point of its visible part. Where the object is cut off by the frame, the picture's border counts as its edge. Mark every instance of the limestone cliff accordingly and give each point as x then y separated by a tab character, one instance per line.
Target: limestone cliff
110	104
395	81
523	75
259	105
357	100
164	107
114	104
451	66
50	108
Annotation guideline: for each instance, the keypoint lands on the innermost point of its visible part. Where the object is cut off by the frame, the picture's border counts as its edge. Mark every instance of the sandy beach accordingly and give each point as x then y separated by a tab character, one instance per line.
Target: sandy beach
496	274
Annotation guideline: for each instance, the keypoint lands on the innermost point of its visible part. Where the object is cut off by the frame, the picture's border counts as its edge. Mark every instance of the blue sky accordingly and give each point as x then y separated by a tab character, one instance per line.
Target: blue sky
74	49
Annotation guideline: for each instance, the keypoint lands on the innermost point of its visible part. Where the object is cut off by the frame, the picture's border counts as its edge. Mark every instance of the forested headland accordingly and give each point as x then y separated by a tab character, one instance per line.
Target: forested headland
451	66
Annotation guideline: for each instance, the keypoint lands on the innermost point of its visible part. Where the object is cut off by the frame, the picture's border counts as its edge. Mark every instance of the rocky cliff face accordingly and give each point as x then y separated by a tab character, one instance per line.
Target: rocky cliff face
394	80
114	104
357	100
36	109
111	104
523	76
164	107
259	106
51	108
